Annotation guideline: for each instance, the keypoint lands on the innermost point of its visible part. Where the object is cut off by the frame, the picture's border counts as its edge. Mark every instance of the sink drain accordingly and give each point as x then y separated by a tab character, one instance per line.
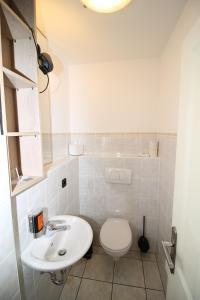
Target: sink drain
62	252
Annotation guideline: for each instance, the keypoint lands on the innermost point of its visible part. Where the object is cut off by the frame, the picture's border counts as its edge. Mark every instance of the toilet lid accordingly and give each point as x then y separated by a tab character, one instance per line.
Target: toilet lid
116	234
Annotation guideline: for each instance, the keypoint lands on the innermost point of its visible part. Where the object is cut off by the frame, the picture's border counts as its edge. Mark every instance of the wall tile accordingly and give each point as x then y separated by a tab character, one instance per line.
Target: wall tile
167	153
60	146
6	230
17	296
126	143
22	205
28	276
25	236
46	289
47	147
52	186
8	278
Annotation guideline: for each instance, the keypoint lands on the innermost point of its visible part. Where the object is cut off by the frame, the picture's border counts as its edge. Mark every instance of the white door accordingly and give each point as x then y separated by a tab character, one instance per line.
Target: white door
185	282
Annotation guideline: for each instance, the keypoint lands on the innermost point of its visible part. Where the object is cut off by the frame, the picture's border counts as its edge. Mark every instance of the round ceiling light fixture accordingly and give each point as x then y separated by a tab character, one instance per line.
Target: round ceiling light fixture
105	6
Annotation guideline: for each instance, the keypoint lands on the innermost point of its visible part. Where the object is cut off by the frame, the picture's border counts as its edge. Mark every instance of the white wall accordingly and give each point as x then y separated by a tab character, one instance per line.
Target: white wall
140	95
9	282
114	97
58	87
59	91
171	68
124	96
44	98
137	95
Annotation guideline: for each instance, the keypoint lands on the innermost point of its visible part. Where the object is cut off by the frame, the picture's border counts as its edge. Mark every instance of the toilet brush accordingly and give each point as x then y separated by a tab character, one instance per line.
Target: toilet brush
143	243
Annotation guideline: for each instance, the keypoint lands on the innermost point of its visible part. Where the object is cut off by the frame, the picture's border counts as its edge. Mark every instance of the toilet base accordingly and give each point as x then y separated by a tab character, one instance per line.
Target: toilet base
115	254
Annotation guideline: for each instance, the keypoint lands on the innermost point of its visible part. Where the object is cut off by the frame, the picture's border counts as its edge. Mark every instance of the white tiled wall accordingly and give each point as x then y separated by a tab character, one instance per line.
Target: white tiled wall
60	145
55	146
167	153
9	283
100	200
47	147
9	277
48	193
126	143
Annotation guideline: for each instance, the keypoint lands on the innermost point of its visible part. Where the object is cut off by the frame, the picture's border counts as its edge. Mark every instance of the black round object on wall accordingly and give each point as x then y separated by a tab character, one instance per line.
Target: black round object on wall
44	61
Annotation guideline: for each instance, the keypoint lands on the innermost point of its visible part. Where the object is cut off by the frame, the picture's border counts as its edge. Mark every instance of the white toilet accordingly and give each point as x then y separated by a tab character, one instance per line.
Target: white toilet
116	237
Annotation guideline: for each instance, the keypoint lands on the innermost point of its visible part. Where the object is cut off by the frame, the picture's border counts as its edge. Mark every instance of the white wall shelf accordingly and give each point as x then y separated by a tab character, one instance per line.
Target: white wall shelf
18	28
12	134
17	81
25	184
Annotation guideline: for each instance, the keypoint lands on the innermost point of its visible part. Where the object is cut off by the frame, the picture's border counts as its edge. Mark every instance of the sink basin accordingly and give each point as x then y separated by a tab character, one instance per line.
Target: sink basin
60	249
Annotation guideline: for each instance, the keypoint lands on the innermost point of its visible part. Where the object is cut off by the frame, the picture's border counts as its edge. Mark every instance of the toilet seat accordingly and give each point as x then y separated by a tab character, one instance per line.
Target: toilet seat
116	235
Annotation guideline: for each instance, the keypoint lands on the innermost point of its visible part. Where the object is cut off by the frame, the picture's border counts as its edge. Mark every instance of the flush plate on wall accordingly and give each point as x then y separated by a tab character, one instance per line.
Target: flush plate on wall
116	175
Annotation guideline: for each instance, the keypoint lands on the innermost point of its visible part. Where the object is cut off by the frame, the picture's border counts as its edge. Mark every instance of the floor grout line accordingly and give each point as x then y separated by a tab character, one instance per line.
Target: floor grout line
84	268
65	281
78	288
97	280
115	283
135	258
113	280
160	276
156	263
140	259
133	286
144	280
110	282
154	290
81	280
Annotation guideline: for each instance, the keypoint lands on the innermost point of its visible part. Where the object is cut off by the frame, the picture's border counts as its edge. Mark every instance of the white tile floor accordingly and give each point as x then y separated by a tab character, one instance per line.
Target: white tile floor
133	277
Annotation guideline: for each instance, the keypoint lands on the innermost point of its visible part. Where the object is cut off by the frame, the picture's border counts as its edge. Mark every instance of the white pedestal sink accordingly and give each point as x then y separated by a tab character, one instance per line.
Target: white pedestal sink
46	253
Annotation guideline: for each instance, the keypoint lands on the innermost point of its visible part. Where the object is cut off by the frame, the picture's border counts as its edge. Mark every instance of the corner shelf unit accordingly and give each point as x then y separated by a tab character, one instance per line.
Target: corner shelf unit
17	81
18	28
20	120
23	185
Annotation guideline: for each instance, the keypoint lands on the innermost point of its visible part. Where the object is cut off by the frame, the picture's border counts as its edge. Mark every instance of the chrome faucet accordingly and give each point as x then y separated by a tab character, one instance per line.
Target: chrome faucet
56	225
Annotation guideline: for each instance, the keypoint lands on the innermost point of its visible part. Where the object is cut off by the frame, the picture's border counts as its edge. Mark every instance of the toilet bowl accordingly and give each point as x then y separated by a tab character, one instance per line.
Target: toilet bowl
116	237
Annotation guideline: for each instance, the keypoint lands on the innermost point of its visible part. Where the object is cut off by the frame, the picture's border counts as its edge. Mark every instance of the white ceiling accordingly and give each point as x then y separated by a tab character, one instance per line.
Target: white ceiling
141	30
